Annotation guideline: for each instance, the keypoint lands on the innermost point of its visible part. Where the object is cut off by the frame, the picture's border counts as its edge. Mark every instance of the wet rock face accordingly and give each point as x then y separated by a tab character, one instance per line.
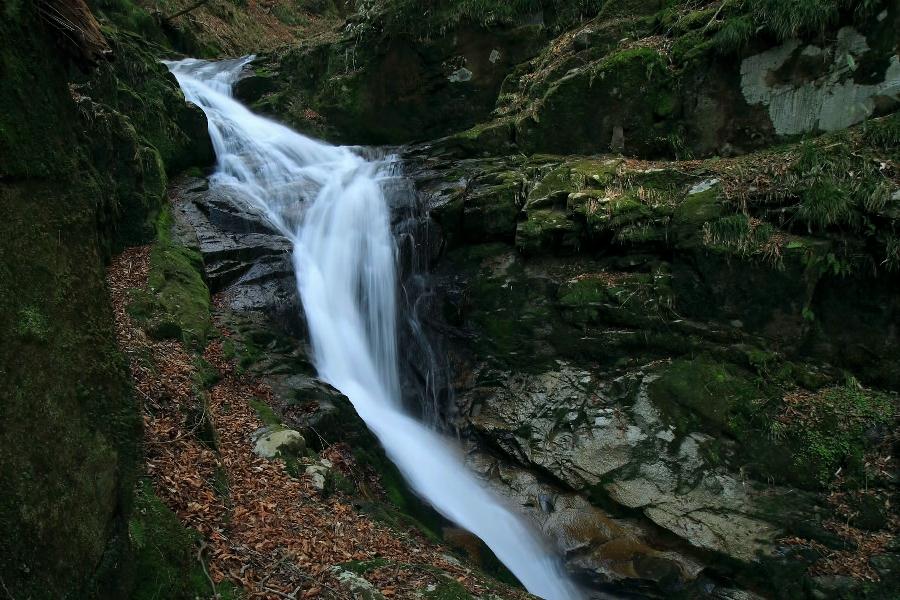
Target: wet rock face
242	255
612	354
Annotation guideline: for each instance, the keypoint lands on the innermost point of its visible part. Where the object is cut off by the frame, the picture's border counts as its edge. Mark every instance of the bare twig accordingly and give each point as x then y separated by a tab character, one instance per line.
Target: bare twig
190	8
203	566
6	589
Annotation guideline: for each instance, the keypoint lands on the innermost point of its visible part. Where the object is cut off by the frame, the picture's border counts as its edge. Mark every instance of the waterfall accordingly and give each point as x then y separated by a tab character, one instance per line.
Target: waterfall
330	202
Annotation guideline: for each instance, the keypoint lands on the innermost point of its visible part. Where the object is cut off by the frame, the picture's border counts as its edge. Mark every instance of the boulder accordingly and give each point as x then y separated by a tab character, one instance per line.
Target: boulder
275	441
318	473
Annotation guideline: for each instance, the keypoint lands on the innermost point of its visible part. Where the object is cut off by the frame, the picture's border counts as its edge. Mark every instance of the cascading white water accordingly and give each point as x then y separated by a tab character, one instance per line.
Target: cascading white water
329	202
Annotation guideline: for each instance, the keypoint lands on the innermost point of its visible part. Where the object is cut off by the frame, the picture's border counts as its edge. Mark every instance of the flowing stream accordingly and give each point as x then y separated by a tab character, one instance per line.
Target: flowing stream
330	202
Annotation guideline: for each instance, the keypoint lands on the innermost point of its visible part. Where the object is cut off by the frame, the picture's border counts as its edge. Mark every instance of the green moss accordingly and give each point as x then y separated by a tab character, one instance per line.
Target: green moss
690	47
783	433
648	62
491	213
693	213
583	293
634	300
579	110
705	395
546	229
493	137
448	589
734	35
166	561
32	324
180	305
361	567
205	374
833	432
265	412
80	177
69	444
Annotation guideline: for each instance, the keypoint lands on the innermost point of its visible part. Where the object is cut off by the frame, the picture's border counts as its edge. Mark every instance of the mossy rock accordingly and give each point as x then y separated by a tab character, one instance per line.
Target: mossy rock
177	302
638	300
547	230
585	111
490	138
362	90
166	558
702	205
702	394
448	589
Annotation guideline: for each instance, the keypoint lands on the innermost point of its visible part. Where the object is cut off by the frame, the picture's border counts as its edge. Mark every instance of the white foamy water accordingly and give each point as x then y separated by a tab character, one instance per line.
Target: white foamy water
330	203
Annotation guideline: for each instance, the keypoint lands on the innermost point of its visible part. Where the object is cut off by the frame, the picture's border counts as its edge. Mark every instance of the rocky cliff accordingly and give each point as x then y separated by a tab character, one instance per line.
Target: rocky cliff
663	246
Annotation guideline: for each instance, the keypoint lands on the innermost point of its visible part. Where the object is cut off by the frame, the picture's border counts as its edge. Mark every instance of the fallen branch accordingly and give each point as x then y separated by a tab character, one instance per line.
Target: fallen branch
193	7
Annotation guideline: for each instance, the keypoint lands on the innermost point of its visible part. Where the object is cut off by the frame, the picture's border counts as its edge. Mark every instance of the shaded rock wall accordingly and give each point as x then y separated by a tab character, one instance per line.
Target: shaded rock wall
375	90
82	171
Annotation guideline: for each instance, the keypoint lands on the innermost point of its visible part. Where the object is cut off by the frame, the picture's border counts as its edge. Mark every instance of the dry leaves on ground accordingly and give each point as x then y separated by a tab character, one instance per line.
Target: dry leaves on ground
272	534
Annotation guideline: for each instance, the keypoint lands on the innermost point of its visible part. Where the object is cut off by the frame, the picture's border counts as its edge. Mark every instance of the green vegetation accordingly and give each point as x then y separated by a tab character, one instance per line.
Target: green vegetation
177	305
83	161
361	567
734	35
740	235
830	428
703	394
785	433
448	589
795	18
839	186
265	413
729	27
167	561
33	325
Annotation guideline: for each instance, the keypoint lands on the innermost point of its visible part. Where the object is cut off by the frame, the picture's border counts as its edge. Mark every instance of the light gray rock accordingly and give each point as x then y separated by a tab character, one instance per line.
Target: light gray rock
829	102
579	429
274	442
358	586
318	473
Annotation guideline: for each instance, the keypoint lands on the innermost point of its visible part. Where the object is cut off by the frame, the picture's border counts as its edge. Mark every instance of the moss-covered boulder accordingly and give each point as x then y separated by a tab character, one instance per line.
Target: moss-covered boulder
177	303
69	441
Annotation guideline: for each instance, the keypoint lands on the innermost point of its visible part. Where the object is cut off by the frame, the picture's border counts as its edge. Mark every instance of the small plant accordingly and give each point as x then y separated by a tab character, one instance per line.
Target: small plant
891	260
734	35
824	203
795	18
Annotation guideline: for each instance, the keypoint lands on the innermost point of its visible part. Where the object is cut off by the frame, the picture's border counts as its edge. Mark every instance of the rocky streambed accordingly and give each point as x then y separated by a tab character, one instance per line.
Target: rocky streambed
612	369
